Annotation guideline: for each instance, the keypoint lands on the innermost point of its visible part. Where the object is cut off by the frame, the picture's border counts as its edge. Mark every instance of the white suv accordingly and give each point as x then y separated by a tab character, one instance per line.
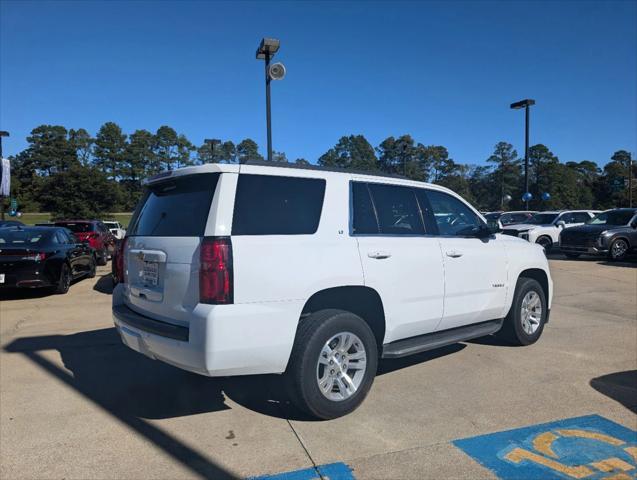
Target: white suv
544	228
252	269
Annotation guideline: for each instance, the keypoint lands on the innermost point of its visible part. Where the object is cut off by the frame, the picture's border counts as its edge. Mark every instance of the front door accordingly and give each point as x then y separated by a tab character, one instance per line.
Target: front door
475	268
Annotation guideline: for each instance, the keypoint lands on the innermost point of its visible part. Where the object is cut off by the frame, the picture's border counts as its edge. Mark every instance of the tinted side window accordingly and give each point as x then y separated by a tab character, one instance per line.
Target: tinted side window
452	216
273	205
60	237
364	216
580	217
396	209
176	207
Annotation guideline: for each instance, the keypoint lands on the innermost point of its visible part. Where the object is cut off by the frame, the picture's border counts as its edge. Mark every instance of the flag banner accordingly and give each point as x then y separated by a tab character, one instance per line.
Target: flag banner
5	178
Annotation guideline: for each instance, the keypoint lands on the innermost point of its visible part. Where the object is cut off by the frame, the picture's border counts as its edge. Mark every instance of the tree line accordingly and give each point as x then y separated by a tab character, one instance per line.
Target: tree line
73	174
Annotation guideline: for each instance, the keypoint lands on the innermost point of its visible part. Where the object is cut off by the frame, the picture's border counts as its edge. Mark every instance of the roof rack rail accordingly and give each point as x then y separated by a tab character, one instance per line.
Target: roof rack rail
265	163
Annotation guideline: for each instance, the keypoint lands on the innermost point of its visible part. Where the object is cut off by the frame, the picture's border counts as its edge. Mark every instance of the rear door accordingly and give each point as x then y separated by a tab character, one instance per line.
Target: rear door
400	259
162	251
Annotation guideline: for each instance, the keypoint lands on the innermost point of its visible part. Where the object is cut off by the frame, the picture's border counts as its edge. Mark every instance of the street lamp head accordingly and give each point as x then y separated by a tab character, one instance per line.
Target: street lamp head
522	103
213	141
4	133
267	46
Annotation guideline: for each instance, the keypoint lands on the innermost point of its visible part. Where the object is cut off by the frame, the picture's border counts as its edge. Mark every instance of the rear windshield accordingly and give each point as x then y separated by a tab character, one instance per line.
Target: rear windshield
23	238
273	205
80	227
175	208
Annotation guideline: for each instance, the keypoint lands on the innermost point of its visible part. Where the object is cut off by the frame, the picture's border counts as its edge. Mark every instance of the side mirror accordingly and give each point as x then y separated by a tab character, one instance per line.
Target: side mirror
634	224
561	224
492	228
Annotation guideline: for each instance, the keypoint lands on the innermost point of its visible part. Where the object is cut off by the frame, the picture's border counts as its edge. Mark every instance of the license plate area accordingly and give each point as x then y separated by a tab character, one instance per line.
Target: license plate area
150	274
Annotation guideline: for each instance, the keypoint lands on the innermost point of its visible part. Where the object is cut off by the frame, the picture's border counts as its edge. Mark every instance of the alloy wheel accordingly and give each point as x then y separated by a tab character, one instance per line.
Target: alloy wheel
531	312
341	366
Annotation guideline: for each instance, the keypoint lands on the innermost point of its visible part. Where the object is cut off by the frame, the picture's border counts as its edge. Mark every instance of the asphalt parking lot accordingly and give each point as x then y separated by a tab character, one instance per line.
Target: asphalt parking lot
75	403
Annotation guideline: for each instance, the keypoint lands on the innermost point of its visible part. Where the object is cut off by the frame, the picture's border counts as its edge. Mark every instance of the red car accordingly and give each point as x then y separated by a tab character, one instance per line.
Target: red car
95	233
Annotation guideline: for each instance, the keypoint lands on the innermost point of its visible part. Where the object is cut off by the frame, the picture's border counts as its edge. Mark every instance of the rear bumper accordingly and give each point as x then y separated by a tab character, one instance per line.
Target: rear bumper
31	276
219	340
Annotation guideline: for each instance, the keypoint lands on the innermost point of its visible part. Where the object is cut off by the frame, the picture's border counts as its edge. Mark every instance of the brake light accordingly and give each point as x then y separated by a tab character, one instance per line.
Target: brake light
38	257
215	271
120	261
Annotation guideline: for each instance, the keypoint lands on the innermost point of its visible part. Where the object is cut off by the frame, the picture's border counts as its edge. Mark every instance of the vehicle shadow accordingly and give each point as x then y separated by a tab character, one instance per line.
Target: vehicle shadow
629	262
104	284
130	387
133	387
24	293
620	386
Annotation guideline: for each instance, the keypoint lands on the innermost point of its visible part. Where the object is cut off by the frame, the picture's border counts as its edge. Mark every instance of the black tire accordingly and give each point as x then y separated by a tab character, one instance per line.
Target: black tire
546	243
64	282
92	270
302	373
102	258
618	250
572	256
512	328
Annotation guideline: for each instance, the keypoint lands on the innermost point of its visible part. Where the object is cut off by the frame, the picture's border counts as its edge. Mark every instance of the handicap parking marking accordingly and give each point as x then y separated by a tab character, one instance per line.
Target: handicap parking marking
332	471
590	447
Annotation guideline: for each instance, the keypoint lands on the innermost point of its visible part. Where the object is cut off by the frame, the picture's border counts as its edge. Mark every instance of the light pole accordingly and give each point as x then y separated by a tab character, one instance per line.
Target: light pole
267	48
2	134
212	142
516	106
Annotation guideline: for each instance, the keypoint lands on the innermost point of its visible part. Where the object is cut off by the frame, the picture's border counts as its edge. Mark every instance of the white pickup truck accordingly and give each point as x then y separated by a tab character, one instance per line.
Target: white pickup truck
316	274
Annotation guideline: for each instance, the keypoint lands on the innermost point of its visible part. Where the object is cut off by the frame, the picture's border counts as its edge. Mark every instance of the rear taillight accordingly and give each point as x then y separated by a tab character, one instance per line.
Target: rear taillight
38	257
120	261
215	271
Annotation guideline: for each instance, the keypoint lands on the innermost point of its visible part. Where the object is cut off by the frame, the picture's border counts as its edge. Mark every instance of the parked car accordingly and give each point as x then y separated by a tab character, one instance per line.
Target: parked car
544	228
10	223
253	269
97	235
43	257
115	228
505	219
612	233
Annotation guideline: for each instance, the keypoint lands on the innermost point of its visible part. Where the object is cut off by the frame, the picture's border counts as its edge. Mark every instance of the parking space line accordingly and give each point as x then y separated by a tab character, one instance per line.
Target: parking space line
332	471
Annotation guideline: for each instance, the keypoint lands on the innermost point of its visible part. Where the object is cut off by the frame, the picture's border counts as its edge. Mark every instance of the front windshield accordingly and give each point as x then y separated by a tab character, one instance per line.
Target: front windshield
542	218
110	224
493	216
613	217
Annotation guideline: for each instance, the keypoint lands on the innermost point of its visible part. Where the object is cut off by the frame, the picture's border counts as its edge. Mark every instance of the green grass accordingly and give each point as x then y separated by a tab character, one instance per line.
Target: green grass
33	218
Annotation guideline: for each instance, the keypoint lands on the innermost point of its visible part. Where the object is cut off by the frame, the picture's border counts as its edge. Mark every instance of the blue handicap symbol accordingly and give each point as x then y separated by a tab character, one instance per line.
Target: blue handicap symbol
589	447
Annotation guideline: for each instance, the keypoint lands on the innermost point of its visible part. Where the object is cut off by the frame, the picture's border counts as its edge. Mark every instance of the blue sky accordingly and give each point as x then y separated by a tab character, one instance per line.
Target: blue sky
443	72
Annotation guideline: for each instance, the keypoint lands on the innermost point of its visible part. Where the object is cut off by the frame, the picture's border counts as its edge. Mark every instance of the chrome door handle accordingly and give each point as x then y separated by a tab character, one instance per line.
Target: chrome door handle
454	254
379	255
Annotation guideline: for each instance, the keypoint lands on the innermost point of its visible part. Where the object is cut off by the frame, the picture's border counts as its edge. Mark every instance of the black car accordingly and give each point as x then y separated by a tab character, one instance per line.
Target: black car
612	233
43	257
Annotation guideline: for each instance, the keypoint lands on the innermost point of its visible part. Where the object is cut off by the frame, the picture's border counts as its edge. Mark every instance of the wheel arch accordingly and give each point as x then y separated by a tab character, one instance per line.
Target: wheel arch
357	299
545	235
